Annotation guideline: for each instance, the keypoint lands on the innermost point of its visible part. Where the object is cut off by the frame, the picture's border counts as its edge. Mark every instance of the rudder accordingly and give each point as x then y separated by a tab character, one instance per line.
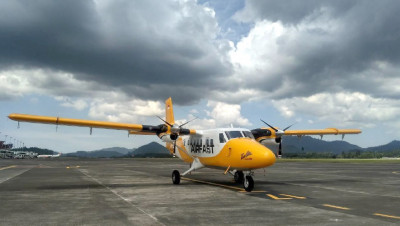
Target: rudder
169	111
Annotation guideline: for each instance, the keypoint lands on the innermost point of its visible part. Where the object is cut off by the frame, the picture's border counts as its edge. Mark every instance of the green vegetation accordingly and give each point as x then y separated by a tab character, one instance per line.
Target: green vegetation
356	161
356	154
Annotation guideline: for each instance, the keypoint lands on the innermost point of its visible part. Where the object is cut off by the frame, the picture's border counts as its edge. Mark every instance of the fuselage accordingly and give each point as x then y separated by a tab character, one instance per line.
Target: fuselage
223	148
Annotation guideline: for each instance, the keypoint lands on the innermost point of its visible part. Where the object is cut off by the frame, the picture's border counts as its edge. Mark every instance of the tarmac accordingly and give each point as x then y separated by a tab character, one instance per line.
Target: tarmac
66	191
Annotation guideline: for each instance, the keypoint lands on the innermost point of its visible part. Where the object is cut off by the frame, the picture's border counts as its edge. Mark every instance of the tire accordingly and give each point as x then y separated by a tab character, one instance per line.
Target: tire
176	177
238	177
248	184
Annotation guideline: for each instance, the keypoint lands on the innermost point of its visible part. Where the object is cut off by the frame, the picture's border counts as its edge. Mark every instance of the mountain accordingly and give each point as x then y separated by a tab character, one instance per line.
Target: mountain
152	149
292	144
103	153
394	145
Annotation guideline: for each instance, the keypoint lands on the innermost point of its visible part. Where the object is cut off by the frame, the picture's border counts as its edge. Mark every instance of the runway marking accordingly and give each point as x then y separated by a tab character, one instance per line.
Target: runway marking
121	197
8	167
244	191
388	216
336	207
211	183
396	172
277	198
293	196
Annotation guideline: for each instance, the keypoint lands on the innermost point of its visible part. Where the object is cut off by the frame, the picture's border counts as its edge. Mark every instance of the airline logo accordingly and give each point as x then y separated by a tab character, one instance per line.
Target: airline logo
244	156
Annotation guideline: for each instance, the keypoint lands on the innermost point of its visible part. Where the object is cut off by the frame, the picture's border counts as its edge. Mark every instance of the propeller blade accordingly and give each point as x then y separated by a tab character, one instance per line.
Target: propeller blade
288	127
188	122
276	130
164	121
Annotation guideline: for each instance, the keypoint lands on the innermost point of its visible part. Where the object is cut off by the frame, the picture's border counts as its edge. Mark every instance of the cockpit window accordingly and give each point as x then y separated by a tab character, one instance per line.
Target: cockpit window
221	138
248	134
233	134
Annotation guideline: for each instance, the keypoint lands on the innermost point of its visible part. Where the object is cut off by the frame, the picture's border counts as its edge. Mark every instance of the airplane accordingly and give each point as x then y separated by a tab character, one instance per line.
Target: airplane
238	151
49	156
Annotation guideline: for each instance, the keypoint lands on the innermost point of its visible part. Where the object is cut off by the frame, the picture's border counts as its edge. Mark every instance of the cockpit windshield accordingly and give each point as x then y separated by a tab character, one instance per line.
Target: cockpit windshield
248	134
233	134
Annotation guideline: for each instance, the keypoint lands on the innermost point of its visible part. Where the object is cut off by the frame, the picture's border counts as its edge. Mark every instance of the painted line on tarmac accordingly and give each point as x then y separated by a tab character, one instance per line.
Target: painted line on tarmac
336	207
293	196
8	167
120	196
396	172
278	198
211	183
385	215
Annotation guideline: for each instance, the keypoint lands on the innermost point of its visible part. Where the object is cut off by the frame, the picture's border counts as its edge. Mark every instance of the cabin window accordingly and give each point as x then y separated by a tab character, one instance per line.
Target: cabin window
222	138
248	134
212	142
207	142
233	134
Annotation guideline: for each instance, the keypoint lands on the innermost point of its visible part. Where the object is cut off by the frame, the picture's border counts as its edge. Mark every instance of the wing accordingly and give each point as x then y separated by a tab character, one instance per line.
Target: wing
269	133
331	131
132	128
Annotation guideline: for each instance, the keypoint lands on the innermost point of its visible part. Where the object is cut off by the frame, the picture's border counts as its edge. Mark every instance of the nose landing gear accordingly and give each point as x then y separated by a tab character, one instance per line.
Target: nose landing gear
248	183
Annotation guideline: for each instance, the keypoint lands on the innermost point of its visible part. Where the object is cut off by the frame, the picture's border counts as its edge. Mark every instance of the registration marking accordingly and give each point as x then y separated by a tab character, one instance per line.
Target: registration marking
336	207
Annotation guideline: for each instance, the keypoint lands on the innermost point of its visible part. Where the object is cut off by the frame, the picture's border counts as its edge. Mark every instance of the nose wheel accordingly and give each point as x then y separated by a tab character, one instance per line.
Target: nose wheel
176	177
248	183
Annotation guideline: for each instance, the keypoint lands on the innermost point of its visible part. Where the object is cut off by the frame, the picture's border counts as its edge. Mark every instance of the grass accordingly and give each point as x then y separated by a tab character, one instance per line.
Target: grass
359	161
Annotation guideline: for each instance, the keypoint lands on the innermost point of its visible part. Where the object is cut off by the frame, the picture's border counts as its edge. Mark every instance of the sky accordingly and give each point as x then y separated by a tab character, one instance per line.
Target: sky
317	63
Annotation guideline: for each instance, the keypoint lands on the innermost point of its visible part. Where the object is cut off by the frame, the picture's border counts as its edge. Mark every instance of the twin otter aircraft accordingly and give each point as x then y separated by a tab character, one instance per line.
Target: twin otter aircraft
238	151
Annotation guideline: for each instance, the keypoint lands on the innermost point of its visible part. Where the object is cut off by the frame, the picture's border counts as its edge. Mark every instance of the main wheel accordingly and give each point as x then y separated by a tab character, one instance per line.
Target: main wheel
238	177
176	177
248	184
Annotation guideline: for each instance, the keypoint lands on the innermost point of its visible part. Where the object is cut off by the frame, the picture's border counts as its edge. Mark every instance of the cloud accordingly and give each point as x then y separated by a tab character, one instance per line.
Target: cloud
147	49
344	109
219	115
107	56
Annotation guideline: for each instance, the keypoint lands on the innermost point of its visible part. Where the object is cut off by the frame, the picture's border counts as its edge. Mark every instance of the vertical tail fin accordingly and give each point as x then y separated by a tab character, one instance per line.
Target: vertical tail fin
169	111
169	117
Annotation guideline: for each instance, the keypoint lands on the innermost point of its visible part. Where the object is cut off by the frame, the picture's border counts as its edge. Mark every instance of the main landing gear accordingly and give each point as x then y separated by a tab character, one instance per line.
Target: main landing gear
246	178
176	177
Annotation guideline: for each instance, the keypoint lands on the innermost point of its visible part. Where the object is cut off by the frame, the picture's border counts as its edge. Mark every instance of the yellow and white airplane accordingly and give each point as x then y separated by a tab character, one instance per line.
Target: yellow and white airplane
238	151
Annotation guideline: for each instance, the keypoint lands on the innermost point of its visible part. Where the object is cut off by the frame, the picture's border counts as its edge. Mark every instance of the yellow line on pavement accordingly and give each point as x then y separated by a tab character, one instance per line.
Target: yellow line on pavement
8	167
211	183
336	207
384	215
277	198
292	196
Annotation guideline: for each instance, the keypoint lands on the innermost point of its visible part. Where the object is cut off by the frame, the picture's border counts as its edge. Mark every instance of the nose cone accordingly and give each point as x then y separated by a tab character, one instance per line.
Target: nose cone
249	154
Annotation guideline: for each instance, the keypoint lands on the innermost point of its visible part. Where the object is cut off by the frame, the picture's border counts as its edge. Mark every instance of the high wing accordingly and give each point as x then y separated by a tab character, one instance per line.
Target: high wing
272	132
132	128
331	131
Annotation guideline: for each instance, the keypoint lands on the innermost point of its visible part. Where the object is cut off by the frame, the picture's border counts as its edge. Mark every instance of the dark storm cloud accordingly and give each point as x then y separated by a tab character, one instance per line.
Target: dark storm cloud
118	43
338	58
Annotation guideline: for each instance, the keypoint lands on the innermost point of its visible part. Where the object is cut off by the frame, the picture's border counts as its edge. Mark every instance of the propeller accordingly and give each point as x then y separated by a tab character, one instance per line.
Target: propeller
278	134
177	130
